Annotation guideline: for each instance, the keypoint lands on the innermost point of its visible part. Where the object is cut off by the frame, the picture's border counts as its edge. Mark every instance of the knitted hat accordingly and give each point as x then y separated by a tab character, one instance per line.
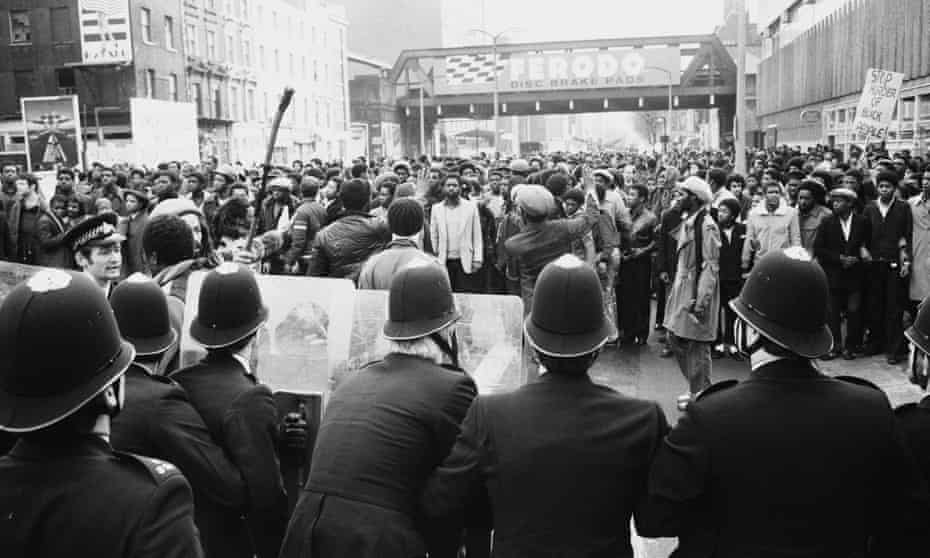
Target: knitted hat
405	217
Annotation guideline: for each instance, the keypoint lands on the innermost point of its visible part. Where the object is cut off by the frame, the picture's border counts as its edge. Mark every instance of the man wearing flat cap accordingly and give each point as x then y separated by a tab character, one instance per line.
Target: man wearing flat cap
543	240
840	248
97	247
693	308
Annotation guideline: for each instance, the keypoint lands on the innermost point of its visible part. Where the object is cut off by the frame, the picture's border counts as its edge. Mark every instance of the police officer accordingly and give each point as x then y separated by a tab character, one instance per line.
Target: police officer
789	462
563	460
64	491
239	412
96	245
159	420
915	417
385	428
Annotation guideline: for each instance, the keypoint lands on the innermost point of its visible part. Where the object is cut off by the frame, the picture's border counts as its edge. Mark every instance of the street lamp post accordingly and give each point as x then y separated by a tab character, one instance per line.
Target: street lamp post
494	39
668	114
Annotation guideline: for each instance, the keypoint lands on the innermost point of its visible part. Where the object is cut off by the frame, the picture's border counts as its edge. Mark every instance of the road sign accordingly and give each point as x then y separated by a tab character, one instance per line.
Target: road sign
876	105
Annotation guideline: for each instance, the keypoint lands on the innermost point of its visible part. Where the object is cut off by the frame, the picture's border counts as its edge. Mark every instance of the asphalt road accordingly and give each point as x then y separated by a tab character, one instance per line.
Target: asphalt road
641	372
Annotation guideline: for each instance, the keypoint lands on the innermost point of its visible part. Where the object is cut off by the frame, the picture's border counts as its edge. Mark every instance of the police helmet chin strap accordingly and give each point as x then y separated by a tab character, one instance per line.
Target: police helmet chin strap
449	348
742	333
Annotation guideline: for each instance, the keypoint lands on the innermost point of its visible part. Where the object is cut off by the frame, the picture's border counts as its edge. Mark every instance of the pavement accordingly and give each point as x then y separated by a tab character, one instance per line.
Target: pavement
639	371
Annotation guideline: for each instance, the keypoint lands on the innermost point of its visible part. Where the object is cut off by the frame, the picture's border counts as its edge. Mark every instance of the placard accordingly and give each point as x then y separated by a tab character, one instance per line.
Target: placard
164	131
52	127
876	105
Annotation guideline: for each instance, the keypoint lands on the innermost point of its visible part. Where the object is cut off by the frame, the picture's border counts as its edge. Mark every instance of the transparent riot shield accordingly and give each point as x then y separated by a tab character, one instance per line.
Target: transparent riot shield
305	338
12	274
490	337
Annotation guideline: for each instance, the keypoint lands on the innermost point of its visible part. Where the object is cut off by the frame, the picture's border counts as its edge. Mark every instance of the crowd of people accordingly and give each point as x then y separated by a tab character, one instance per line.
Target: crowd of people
494	224
409	460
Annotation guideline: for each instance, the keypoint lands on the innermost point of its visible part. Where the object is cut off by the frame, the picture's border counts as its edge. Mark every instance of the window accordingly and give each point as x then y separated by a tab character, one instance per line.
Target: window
145	20
277	61
245	8
169	32
197	94
150	84
234	102
316	109
61	24
329	115
230	49
261	56
173	87
190	38
306	112
210	4
217	103
20	27
274	19
925	106
267	113
316	70
246	52
290	63
303	67
251	104
313	34
907	108
211	44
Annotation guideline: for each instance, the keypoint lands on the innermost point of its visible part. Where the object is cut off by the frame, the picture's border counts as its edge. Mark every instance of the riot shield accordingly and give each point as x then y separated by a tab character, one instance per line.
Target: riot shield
490	337
12	274
305	338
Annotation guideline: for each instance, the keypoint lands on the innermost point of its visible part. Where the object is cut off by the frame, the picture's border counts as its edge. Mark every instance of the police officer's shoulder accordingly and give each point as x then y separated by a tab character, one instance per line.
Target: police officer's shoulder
855	380
154	471
907	410
716	388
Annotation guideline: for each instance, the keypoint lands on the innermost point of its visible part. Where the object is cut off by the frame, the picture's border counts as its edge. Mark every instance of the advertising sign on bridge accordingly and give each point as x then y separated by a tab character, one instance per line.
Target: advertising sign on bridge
876	105
526	71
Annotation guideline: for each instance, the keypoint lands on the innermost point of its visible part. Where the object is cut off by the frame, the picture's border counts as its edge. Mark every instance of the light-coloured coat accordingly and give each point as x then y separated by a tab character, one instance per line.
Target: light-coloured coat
920	244
471	245
766	231
679	318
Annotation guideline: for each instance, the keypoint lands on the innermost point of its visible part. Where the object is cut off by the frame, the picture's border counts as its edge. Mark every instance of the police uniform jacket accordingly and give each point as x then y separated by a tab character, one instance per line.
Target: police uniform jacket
79	497
385	429
564	462
915	422
787	463
241	417
159	421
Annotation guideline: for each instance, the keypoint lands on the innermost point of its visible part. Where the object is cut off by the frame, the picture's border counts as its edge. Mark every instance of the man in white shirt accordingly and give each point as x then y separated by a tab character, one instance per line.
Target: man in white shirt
455	232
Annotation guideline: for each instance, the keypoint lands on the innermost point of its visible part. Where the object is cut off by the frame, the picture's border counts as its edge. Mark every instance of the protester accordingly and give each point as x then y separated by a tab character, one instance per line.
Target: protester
811	210
771	226
455	235
633	288
692	313
405	219
889	244
841	250
340	248
732	237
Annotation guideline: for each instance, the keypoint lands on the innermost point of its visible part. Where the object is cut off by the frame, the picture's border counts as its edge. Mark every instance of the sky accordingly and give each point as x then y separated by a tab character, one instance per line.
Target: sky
551	20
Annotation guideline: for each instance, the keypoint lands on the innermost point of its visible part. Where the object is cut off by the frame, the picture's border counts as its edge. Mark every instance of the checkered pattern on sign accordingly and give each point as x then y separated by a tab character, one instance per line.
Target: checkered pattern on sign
473	68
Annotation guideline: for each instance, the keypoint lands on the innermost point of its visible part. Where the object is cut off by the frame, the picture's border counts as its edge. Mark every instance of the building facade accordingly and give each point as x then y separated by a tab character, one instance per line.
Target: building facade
40	55
814	61
241	54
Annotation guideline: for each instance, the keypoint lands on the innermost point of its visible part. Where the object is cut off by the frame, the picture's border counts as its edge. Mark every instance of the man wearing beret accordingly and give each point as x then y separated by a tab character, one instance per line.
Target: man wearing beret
96	245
